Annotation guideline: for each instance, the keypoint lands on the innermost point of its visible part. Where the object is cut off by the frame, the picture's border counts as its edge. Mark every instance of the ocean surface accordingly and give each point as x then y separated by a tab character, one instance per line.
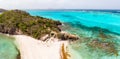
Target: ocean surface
99	31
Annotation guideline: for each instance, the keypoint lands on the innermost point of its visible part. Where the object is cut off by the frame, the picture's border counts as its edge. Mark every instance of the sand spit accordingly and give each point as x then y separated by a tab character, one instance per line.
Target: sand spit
31	48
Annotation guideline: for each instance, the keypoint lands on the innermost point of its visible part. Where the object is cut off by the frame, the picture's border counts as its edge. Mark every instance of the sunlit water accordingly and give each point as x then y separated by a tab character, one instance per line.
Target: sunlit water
8	49
89	26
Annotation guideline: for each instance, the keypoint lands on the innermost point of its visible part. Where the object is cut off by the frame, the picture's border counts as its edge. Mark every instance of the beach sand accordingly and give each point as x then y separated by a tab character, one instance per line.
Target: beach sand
31	48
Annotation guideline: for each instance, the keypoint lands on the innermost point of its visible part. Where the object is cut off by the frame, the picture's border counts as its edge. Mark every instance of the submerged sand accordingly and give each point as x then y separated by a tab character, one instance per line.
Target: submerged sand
31	48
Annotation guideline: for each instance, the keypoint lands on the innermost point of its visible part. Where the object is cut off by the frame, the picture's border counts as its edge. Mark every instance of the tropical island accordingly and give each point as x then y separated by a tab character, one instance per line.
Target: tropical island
31	30
17	22
35	37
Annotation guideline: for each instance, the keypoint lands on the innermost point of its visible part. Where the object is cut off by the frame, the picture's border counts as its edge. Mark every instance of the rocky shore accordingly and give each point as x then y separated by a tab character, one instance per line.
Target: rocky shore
36	37
17	22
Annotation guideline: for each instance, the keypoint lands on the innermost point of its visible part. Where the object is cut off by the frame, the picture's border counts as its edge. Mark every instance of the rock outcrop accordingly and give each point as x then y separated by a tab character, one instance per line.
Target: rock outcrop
61	36
67	36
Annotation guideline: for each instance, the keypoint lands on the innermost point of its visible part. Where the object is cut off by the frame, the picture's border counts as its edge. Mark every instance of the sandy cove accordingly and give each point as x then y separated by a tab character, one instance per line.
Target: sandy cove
31	48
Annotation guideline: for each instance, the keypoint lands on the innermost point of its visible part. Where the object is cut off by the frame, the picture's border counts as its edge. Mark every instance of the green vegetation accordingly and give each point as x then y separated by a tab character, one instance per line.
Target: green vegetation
20	22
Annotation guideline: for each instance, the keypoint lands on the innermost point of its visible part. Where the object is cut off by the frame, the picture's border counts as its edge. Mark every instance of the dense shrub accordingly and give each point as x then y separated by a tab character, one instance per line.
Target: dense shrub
35	26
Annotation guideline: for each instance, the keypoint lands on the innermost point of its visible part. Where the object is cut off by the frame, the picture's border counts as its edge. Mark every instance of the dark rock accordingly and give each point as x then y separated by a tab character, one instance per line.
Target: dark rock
67	36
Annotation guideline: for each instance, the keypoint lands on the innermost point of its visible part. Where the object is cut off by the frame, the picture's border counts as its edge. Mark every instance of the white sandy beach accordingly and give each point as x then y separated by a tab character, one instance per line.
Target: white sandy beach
31	48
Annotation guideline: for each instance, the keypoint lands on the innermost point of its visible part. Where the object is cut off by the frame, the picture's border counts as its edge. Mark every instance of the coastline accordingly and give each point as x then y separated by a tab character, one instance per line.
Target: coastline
45	41
31	48
47	46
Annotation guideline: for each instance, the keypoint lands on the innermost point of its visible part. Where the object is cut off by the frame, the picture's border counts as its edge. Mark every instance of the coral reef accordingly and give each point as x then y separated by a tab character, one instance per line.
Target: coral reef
105	46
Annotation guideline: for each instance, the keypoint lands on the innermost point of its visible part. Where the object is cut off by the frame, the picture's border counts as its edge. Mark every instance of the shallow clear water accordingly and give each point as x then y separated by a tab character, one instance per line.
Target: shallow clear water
90	26
8	49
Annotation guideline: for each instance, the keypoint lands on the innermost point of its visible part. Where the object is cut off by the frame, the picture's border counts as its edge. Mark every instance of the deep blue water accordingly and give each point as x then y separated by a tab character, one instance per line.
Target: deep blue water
89	25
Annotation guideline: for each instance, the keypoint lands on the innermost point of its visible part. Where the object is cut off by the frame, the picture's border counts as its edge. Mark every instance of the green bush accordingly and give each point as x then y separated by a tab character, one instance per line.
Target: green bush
34	26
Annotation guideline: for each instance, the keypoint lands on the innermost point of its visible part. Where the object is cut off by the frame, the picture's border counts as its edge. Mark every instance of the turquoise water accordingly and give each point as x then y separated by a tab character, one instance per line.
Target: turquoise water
110	21
91	26
8	49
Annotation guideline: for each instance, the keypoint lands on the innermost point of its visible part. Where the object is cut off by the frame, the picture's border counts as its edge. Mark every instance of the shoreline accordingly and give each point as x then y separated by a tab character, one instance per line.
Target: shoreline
54	43
31	48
